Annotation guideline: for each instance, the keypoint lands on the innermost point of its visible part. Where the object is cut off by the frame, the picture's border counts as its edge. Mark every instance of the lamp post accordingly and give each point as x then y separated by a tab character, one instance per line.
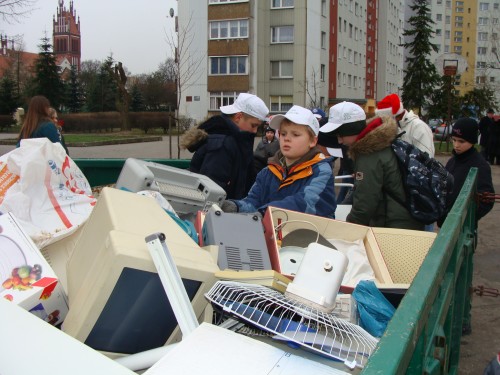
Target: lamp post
450	67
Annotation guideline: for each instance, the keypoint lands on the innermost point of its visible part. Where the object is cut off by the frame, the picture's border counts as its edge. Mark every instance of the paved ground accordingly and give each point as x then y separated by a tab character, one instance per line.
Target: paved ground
477	349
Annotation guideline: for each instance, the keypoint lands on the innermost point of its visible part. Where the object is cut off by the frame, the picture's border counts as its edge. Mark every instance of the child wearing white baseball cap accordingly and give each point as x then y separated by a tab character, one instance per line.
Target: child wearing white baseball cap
298	177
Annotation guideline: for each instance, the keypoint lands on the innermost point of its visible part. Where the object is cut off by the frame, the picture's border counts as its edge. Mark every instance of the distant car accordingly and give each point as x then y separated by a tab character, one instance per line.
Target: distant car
442	132
434	123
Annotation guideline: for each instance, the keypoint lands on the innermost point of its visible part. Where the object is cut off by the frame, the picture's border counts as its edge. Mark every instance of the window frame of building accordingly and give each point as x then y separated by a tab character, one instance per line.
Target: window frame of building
221	98
281	66
276	34
242	25
280	4
483	6
322	72
482	36
227	64
323	40
280	103
226	1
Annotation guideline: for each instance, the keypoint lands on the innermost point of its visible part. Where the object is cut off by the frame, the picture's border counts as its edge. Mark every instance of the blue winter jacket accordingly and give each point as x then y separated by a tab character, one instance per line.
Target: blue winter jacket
307	186
47	129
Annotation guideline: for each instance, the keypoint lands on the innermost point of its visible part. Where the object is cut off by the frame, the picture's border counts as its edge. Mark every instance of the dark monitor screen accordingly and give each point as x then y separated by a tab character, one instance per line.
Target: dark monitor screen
137	315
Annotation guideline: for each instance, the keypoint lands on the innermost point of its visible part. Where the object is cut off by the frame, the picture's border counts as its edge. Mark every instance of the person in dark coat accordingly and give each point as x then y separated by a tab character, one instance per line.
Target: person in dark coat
266	148
494	143
465	156
377	178
484	128
223	145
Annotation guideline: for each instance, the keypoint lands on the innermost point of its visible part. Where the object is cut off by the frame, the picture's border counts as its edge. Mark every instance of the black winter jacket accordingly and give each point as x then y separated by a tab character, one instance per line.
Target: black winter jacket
223	153
459	166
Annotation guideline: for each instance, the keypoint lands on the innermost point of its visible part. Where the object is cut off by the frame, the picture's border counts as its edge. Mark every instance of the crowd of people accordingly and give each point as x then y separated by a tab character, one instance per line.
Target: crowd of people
292	166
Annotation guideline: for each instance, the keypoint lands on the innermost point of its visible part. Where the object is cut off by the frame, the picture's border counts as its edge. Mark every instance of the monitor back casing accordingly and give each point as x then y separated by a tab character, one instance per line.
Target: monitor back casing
111	245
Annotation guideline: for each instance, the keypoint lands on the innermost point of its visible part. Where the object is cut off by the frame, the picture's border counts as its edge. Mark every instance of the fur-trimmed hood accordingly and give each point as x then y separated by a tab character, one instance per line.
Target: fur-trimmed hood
378	134
195	137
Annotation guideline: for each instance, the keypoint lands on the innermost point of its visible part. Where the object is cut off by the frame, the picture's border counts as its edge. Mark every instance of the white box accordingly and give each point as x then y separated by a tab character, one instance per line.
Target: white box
27	279
328	228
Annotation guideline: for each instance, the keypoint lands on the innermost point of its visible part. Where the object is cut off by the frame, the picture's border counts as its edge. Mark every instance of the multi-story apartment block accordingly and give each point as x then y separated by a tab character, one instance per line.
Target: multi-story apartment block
310	53
389	23
352	56
469	28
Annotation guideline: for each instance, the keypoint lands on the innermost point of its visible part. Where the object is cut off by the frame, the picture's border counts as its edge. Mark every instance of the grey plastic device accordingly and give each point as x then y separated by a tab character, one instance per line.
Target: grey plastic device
240	238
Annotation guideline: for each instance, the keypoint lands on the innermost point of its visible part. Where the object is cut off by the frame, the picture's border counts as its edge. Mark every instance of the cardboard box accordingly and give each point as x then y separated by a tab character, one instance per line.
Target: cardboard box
275	229
27	279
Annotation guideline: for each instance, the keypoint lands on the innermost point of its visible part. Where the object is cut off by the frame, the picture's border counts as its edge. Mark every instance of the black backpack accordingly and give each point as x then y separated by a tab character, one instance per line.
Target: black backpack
426	181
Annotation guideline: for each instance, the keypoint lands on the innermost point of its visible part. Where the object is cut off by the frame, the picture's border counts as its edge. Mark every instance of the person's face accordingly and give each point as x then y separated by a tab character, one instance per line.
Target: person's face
295	141
347	140
490	115
460	145
269	135
247	123
54	118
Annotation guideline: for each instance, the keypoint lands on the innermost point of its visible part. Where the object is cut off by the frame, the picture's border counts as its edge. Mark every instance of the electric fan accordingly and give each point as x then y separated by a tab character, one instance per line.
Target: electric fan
295	321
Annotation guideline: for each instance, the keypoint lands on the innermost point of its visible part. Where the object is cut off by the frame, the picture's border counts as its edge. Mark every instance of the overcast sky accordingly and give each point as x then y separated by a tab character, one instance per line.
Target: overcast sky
134	31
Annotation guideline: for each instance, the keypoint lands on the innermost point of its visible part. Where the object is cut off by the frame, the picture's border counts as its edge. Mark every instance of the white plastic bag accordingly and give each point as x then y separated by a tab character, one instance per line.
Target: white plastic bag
45	190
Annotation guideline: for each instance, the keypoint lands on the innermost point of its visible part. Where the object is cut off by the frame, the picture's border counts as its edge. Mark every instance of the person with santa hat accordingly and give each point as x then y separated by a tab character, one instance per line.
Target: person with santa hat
415	131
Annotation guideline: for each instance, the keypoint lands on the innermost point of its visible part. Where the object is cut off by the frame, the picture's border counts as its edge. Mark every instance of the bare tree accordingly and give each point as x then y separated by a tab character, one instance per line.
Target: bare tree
312	88
187	61
11	11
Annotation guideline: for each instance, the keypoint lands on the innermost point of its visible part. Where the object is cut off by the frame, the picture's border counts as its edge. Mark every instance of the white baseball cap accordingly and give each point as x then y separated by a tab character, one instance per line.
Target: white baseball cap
343	113
298	115
247	103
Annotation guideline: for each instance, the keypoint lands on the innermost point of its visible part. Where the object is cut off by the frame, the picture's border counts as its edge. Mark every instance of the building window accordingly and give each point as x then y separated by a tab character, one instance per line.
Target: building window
482	36
438	32
447	20
323	40
483	6
281	69
495	6
227	1
218	99
228	65
447	34
482	21
481	50
282	34
323	8
281	103
235	29
281	4
322	73
439	17
481	65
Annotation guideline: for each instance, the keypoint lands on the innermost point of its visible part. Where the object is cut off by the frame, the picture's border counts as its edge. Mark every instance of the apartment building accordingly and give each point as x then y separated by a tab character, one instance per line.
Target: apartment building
469	28
390	24
311	53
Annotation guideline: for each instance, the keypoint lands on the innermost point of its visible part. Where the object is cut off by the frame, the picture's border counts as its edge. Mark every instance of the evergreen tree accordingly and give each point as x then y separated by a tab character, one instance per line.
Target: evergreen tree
74	92
46	80
137	102
9	101
102	93
477	101
421	77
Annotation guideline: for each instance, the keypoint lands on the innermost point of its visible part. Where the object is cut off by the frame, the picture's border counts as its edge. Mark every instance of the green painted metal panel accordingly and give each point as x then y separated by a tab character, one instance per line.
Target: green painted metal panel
424	333
101	172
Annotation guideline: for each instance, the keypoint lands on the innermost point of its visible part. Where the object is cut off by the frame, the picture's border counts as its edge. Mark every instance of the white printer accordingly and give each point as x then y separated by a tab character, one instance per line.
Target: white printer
186	191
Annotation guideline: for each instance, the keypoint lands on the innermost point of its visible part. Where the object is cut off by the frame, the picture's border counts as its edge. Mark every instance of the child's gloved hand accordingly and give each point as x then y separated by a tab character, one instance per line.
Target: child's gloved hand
229	206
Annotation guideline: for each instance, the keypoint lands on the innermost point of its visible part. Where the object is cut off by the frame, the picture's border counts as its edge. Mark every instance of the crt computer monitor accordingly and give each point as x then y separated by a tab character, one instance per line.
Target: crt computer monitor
117	302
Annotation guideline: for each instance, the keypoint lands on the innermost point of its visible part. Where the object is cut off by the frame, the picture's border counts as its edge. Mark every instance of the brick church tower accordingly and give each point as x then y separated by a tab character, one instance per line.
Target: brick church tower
66	37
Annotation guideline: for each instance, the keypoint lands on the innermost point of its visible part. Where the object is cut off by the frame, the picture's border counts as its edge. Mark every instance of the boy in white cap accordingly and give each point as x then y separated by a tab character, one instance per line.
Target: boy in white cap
416	131
377	178
223	145
299	177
